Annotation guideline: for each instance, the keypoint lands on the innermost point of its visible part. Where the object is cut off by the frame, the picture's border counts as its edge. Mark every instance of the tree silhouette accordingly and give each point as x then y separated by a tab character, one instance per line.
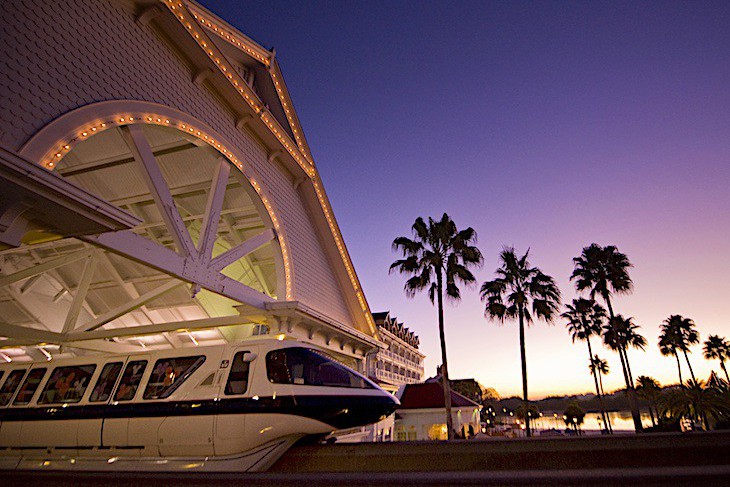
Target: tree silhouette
520	291
604	271
681	331
718	348
585	319
438	260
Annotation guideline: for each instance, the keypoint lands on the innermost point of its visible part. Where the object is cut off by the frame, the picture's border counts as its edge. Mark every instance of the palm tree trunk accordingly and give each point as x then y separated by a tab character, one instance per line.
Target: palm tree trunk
679	366
598	391
629	384
691	372
722	364
633	401
628	367
603	393
651	414
528	431
444	363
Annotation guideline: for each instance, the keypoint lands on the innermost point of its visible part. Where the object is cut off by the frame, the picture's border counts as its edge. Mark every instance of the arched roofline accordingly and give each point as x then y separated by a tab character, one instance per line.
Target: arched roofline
57	138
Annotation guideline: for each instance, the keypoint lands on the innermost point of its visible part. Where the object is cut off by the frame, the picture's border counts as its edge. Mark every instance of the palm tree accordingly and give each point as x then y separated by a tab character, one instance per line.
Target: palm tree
604	271
696	402
683	333
618	335
585	319
719	348
667	347
649	389
438	259
520	291
600	367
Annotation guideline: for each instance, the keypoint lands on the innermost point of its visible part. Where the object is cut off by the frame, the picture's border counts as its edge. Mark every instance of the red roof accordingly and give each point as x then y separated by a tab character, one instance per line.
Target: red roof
431	395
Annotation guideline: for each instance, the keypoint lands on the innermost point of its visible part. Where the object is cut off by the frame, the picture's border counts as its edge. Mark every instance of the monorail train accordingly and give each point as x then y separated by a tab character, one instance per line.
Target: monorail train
235	407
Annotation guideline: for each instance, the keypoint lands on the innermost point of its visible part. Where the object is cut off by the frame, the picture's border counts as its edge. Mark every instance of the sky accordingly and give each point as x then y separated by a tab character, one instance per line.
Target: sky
548	125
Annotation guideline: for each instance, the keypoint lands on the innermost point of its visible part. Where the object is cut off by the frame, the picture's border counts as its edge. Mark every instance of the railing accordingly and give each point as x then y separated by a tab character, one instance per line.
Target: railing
394	377
398	358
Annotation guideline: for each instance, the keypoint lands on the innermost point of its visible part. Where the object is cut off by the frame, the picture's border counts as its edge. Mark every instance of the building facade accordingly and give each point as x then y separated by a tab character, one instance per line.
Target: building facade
400	362
157	189
421	415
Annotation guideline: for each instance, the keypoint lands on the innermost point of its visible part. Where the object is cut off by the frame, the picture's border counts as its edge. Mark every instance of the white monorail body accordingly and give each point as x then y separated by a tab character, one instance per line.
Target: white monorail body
234	407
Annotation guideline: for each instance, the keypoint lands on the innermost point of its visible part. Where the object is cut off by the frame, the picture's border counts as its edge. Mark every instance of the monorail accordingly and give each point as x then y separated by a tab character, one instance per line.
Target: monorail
234	407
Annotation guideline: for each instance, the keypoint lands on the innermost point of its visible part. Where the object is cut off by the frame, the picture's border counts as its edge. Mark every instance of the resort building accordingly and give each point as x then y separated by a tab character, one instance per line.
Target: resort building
421	415
158	191
399	362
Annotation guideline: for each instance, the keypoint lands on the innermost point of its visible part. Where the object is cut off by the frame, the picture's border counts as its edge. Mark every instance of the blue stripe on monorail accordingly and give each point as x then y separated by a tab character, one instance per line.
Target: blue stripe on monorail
338	411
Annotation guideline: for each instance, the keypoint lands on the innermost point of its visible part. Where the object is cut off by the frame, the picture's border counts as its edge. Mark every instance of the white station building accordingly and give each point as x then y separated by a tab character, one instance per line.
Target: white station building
157	190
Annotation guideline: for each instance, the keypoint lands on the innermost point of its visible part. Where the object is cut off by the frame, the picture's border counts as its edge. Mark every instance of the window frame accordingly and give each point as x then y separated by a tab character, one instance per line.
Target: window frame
137	386
35	390
369	385
48	383
17	386
121	364
230	371
178	382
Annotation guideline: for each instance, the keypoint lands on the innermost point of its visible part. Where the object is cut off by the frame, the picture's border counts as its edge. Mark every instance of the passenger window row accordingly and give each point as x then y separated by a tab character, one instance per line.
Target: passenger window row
67	385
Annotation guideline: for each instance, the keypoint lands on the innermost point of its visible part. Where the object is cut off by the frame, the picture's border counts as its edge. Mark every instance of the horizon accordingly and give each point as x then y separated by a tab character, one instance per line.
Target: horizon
548	126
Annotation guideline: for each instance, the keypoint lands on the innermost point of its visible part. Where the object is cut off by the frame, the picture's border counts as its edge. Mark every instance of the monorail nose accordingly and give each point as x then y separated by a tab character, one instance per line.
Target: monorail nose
343	412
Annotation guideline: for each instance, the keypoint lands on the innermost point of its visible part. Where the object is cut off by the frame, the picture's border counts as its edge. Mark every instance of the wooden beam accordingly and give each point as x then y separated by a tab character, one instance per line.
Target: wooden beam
44	267
188	269
24	333
158	328
151	173
115	313
230	256
81	291
213	208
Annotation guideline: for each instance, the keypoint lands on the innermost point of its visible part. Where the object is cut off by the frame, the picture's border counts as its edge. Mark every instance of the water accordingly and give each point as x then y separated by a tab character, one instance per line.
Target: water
620	420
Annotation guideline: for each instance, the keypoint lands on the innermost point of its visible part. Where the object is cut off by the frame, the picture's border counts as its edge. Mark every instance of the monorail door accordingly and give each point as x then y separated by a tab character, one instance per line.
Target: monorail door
238	392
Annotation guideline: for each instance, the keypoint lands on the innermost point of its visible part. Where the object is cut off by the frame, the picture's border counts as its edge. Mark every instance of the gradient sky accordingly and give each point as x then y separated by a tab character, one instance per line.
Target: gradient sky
547	125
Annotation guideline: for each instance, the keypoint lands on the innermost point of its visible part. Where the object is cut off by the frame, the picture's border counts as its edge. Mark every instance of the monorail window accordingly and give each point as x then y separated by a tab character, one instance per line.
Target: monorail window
130	380
105	382
169	374
30	385
238	377
11	384
67	384
304	366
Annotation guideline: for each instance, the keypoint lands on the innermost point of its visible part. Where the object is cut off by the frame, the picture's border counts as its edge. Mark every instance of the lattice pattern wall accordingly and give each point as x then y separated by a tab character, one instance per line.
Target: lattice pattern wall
56	56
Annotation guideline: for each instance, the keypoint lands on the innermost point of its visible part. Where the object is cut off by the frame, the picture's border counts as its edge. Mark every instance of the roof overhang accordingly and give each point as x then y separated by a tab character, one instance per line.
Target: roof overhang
38	205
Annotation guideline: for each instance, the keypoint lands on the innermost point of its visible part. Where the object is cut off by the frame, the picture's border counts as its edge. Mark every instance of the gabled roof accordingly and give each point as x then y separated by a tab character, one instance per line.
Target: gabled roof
381	316
267	105
431	395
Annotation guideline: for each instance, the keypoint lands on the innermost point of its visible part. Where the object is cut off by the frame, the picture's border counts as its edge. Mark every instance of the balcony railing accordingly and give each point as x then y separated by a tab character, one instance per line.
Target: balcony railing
397	358
395	377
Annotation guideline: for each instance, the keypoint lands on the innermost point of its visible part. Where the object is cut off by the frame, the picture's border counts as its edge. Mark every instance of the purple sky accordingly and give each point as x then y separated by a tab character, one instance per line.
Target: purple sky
543	124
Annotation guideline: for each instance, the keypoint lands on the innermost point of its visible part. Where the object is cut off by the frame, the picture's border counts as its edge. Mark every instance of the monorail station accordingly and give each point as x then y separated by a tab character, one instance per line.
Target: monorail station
158	191
158	197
